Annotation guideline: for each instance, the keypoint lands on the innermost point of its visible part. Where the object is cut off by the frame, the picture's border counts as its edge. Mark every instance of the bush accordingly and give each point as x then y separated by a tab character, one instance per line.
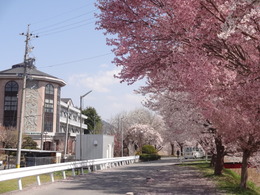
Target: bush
149	153
29	143
148	149
148	157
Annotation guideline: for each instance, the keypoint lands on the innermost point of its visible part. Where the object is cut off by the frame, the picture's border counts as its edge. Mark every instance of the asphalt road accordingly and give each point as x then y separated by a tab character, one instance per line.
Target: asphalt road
161	177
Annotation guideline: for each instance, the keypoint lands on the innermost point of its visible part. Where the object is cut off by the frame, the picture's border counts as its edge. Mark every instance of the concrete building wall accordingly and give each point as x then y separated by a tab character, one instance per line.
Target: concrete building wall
32	111
95	146
108	146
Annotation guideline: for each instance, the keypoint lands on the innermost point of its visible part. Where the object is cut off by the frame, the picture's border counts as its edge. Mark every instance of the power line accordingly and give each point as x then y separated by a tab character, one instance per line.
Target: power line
61	14
51	29
63	21
74	61
59	31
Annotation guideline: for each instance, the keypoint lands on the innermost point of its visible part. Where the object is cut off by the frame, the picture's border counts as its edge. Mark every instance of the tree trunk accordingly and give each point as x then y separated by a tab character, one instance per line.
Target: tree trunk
244	169
181	153
181	148
219	163
172	147
213	160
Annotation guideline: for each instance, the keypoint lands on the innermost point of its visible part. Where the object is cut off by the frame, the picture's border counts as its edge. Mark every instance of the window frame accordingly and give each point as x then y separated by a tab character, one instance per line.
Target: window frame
10	104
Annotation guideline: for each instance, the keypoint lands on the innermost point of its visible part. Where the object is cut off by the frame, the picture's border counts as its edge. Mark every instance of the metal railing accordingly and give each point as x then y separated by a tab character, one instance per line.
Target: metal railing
50	169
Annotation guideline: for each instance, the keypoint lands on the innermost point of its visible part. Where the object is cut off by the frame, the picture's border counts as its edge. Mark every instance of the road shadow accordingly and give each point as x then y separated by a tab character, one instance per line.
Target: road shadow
155	177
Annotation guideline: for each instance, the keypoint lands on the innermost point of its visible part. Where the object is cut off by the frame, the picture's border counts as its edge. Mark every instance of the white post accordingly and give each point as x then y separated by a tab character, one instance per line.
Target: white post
20	184
52	177
73	173
64	174
38	180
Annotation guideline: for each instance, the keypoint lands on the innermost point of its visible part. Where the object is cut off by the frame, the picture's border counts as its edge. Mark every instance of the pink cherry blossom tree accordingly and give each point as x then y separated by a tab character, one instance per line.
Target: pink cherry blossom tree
139	135
208	48
128	123
183	119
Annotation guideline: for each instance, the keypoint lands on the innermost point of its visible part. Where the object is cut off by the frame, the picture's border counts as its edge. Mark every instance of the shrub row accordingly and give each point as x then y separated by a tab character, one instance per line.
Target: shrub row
148	157
149	153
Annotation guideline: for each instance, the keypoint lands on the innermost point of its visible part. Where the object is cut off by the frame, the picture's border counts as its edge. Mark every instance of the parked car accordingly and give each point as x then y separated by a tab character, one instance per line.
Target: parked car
193	152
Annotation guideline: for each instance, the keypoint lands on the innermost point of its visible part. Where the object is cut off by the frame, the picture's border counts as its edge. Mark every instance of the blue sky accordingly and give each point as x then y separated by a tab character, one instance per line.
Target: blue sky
69	48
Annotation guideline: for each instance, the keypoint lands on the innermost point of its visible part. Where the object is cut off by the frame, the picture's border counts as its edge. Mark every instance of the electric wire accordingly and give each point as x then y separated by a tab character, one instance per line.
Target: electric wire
61	14
60	31
61	22
59	28
74	61
52	29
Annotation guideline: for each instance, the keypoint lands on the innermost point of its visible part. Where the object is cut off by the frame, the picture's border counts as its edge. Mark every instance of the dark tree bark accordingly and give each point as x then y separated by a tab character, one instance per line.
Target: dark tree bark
181	147
219	163
244	169
213	160
172	149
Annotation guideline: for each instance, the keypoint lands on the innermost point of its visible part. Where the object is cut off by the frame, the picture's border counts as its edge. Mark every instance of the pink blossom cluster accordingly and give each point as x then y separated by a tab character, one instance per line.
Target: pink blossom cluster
141	135
208	49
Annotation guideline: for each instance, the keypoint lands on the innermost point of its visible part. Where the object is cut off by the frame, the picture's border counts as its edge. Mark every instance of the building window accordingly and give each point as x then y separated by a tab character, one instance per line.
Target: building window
49	90
10	104
48	105
48	108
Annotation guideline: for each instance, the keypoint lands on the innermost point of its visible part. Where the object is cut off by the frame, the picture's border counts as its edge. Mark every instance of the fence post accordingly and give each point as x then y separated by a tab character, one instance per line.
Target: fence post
20	184
64	174
52	177
38	180
73	172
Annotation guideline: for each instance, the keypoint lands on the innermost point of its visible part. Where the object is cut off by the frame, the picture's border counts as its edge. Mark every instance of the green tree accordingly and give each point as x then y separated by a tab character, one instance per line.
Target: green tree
28	143
94	121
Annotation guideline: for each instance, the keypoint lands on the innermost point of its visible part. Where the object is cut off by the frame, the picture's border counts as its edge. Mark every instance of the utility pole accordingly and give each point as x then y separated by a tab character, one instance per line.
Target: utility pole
122	137
42	132
21	125
66	133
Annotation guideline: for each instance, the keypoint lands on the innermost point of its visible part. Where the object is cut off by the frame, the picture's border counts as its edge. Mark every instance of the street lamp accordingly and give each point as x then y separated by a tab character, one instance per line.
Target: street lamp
80	131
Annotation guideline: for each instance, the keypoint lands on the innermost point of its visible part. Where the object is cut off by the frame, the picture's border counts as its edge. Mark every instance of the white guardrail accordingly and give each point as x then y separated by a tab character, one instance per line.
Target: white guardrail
44	169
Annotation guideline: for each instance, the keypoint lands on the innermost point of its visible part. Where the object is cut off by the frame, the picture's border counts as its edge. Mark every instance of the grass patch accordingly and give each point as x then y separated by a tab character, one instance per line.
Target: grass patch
12	185
228	182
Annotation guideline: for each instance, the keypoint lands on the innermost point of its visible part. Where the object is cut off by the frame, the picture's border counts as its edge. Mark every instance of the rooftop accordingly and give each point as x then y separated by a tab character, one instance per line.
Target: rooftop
17	70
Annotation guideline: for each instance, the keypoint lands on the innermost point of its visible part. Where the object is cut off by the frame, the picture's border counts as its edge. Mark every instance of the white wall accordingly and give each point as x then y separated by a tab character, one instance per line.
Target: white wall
95	146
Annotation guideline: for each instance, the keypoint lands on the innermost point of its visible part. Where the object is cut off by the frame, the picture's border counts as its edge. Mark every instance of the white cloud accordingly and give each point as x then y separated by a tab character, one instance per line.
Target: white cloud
99	82
127	102
109	96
